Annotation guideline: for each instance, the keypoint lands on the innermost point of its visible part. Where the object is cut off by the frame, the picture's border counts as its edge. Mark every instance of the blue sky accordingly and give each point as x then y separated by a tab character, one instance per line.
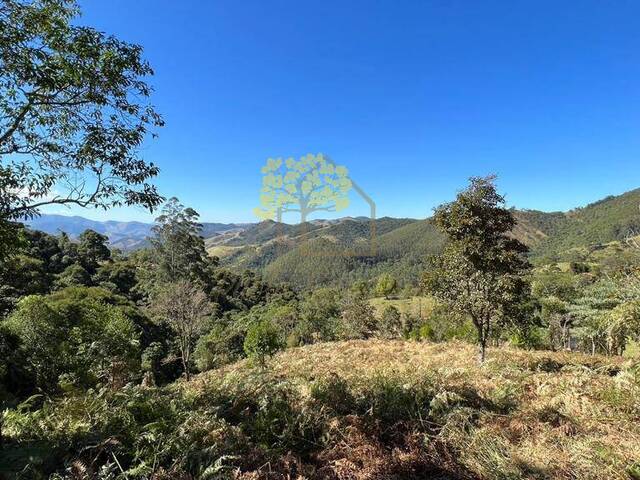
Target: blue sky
413	97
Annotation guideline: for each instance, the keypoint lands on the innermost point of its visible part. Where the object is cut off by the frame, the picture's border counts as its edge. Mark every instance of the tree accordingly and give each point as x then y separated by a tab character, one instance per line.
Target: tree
74	338
390	325
42	334
358	318
480	272
119	276
361	288
313	183
178	248
11	239
555	313
93	248
623	324
185	307
73	275
320	313
386	285
263	340
73	113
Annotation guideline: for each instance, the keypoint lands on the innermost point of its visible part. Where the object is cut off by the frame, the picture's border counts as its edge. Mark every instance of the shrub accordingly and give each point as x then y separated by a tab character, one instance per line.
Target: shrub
386	285
334	392
358	319
222	345
529	339
263	340
390	324
40	331
81	339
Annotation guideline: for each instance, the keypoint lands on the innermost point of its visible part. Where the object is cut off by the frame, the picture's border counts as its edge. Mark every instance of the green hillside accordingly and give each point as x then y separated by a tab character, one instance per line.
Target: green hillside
610	219
341	251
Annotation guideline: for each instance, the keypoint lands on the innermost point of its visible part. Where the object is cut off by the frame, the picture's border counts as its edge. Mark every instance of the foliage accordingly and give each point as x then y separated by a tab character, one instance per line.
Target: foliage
390	324
610	219
185	307
84	371
319	315
263	340
386	285
178	248
72	341
74	112
358	318
440	325
480	272
222	345
376	408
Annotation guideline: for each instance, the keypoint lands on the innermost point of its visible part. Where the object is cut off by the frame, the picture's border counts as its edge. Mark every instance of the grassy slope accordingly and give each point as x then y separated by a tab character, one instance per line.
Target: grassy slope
522	415
351	410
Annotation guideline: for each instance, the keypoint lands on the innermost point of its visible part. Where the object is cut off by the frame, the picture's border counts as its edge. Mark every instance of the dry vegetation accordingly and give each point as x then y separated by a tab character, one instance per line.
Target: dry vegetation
408	409
416	307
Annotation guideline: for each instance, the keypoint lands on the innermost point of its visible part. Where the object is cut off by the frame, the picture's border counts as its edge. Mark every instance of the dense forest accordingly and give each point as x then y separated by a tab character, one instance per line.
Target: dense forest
265	351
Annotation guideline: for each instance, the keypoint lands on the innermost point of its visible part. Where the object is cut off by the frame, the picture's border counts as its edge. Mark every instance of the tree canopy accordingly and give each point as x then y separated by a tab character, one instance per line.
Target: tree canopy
179	251
74	110
480	272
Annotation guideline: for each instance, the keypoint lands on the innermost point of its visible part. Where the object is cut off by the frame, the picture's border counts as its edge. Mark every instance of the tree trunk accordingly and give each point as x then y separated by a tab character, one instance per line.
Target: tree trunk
185	364
187	373
482	351
483	336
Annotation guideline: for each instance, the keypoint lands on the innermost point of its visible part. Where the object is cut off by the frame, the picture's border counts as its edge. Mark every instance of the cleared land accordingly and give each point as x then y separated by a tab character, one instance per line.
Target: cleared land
409	409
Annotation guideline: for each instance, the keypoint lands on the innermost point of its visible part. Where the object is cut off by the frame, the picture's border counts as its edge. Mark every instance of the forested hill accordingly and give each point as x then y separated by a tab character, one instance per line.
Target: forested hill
343	250
611	219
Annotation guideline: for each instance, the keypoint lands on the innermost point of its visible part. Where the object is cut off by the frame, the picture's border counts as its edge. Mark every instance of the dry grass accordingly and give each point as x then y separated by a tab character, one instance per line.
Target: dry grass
521	415
222	251
418	307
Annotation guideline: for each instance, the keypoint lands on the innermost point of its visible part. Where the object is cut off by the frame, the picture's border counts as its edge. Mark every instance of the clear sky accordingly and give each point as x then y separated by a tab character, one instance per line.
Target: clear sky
413	97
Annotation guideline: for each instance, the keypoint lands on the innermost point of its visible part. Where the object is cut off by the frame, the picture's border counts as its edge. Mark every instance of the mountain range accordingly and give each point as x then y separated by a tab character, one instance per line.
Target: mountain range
125	236
343	250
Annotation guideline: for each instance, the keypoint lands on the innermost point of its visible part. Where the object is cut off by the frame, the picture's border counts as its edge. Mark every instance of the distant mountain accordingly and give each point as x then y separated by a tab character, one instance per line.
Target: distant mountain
342	250
123	235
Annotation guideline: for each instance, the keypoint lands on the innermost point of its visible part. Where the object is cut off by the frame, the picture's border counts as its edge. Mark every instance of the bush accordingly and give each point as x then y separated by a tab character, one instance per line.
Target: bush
390	324
442	325
530	339
358	319
222	345
263	340
386	285
73	339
